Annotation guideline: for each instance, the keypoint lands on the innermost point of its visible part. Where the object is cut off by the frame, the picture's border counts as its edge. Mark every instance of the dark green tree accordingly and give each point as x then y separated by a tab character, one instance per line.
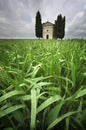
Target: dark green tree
38	25
59	27
55	30
63	28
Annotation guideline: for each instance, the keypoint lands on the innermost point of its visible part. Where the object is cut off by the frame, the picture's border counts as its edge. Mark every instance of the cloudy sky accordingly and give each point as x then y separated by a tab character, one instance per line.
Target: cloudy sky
17	17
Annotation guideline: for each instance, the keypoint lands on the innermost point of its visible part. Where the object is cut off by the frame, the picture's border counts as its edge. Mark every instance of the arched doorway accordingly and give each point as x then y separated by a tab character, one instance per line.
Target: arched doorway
47	36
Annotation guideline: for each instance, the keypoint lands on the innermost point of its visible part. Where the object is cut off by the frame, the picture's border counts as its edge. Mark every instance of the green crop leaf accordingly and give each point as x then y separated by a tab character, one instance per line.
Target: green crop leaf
35	70
10	110
48	102
54	112
81	93
60	119
33	109
41	84
24	97
11	94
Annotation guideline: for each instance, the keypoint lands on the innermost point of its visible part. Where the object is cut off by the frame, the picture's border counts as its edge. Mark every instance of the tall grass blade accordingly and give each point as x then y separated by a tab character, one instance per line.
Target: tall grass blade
81	93
48	102
11	94
35	70
60	119
54	112
33	109
10	110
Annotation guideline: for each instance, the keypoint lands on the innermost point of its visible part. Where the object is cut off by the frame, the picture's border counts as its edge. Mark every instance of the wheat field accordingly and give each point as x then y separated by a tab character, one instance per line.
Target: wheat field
43	84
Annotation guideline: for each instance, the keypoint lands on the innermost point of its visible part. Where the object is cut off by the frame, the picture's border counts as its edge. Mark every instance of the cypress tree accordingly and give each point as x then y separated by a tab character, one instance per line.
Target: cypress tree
38	25
55	30
59	27
63	28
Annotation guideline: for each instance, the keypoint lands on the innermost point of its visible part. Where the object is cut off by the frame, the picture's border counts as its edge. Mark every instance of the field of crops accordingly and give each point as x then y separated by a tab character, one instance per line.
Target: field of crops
43	85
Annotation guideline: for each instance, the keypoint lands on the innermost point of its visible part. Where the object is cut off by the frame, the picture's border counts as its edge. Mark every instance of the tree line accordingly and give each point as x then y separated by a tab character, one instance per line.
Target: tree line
59	27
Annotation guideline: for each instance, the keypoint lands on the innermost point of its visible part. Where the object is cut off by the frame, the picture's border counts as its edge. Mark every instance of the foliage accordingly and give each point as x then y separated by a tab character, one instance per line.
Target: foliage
38	25
42	85
59	27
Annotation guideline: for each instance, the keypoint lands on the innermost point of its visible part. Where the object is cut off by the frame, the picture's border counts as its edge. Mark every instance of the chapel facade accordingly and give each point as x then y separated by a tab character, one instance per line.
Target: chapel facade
48	30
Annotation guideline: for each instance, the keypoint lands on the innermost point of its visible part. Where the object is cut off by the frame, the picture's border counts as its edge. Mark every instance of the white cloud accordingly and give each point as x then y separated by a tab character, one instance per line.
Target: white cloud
14	18
17	17
77	27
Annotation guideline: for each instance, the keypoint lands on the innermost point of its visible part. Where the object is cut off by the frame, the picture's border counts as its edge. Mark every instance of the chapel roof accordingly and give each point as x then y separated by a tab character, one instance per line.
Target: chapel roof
48	23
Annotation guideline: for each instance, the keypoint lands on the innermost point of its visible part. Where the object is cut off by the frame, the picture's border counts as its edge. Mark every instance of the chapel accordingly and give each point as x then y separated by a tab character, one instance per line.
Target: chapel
48	29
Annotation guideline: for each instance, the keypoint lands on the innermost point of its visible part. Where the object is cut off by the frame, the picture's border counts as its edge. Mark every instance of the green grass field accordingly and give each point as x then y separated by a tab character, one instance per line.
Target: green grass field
43	84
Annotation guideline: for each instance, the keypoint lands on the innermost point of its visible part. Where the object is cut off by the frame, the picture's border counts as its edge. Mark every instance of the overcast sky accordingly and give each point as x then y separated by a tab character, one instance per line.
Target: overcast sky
17	17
